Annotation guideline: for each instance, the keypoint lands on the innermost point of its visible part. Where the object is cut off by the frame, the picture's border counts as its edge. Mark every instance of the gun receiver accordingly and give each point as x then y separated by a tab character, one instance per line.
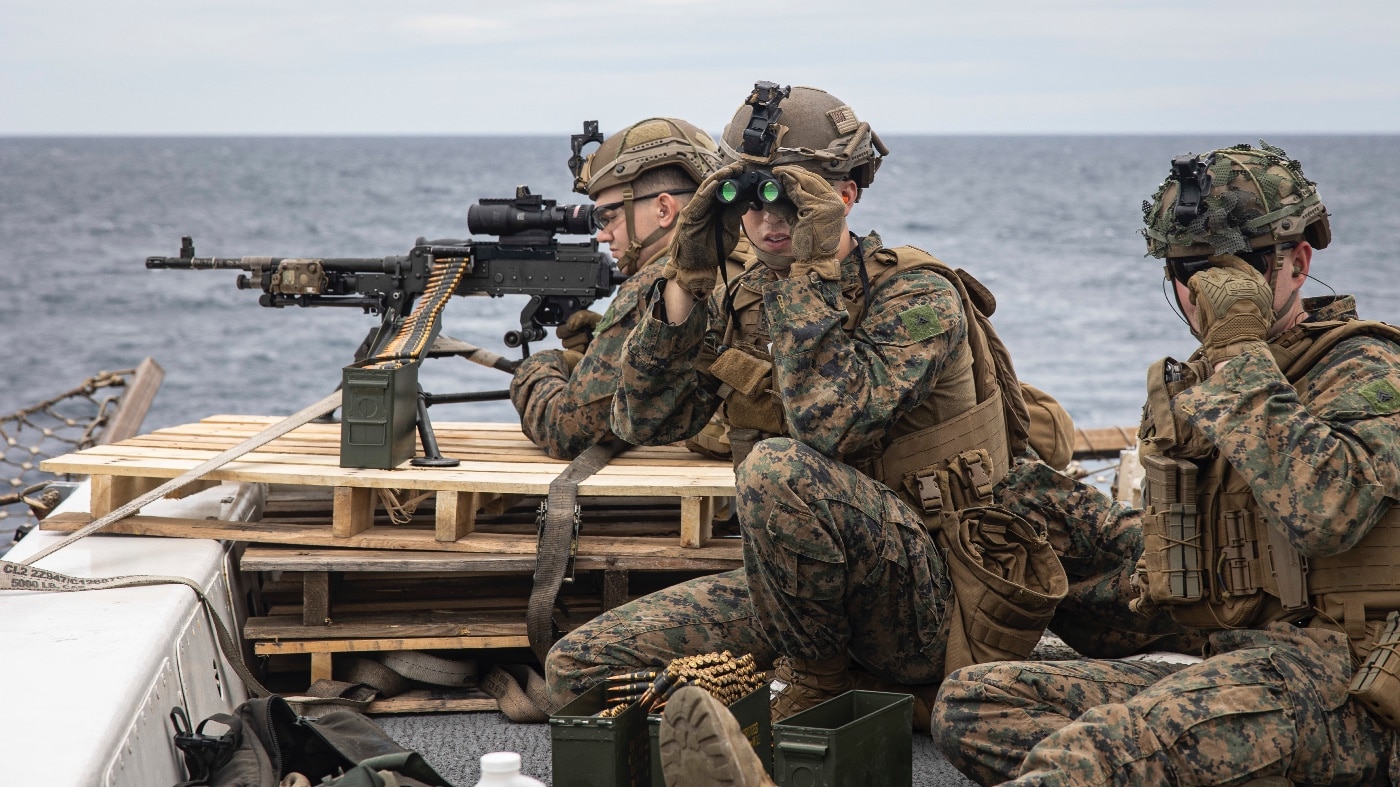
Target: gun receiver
409	292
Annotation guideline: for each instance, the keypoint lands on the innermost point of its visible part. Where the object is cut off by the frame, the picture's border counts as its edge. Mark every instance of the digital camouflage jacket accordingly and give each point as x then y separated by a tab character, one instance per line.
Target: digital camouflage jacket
841	390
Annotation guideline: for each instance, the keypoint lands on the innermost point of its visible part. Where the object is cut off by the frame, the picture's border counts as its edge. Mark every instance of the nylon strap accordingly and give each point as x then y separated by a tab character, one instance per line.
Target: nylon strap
555	543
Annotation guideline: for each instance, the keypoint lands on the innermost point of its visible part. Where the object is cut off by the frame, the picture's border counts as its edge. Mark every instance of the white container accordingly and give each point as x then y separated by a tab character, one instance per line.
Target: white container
502	769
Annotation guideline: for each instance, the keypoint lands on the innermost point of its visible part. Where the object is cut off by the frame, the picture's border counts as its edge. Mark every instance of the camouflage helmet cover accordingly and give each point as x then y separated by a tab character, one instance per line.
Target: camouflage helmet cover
646	145
1232	200
814	130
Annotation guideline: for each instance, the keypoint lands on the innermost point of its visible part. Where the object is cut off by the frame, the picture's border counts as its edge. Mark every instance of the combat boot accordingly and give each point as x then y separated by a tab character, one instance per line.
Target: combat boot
799	684
701	744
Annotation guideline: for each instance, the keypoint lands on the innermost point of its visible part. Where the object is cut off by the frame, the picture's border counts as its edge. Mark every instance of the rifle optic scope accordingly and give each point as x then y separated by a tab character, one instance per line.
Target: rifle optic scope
512	216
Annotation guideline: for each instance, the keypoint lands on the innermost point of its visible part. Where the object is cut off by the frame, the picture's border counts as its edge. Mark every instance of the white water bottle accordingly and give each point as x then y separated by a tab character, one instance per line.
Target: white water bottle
502	769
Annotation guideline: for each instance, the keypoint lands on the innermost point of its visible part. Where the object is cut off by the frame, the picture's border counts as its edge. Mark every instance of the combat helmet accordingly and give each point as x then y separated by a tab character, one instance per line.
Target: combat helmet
645	145
1233	200
804	126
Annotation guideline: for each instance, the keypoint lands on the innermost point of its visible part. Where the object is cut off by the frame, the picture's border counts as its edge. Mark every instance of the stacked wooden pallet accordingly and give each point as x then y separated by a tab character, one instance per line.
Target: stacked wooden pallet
355	560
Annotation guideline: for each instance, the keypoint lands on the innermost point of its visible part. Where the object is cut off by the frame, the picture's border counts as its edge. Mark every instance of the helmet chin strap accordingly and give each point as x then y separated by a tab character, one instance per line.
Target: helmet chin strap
630	259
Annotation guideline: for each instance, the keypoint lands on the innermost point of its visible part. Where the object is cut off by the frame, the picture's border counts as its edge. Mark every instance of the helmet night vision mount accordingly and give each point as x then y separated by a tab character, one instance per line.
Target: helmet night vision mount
757	187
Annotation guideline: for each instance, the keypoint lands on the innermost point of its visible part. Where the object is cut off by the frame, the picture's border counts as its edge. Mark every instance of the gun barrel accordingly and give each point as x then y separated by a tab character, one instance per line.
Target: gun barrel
196	263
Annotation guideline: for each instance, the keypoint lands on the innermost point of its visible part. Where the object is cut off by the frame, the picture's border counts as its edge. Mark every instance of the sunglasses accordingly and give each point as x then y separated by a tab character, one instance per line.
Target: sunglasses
604	215
1183	268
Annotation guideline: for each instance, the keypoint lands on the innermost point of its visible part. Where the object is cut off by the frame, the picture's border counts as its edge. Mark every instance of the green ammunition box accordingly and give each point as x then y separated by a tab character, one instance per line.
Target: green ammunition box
590	751
754	717
379	416
860	737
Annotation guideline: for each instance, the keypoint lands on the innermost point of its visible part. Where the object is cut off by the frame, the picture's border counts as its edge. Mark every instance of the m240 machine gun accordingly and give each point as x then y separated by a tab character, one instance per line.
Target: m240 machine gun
382	403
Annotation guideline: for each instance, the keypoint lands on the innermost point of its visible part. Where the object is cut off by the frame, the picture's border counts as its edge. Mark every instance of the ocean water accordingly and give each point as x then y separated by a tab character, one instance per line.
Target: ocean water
1050	224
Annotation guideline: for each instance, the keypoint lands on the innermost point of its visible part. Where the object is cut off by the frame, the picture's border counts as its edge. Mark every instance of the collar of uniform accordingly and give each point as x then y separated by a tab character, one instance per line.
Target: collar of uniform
1330	307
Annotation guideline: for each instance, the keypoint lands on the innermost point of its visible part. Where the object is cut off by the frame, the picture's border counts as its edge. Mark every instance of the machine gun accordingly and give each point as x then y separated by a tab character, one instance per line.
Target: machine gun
382	399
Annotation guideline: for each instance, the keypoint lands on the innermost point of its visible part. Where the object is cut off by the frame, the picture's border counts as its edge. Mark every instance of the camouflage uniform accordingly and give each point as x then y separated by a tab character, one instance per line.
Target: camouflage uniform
832	558
1268	701
1098	541
564	413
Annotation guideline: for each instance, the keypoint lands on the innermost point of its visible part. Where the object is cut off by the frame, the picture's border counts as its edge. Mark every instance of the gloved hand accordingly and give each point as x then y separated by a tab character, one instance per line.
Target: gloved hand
1234	305
816	234
1145	603
577	331
695	258
571	359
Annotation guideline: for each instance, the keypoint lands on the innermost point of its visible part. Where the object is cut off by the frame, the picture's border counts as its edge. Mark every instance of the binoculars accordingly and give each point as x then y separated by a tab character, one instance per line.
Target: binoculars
756	188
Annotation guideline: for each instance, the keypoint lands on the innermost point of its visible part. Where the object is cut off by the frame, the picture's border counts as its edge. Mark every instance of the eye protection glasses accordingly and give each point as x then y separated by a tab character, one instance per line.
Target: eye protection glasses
604	215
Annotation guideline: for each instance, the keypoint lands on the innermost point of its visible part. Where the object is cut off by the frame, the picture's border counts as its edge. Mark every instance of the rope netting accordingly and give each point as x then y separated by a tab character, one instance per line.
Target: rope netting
70	421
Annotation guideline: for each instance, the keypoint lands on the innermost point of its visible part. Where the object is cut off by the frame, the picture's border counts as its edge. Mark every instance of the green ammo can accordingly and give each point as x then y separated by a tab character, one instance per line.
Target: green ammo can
860	737
379	415
755	719
591	751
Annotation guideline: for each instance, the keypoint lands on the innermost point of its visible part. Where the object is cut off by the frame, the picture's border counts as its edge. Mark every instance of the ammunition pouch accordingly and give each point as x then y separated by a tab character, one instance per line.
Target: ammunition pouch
1006	582
749	401
1377	683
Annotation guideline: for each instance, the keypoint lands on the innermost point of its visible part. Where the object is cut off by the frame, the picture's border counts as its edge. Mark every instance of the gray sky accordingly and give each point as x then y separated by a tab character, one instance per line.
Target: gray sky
541	66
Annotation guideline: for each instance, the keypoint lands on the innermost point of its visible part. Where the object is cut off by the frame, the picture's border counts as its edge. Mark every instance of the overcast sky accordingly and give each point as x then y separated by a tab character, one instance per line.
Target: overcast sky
541	66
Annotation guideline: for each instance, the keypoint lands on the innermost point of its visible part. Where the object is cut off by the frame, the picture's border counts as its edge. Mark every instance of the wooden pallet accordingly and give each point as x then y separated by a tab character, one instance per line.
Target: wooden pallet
321	603
496	459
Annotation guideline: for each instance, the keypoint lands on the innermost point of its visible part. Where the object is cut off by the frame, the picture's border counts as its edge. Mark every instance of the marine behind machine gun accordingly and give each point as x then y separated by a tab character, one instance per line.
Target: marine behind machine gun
383	402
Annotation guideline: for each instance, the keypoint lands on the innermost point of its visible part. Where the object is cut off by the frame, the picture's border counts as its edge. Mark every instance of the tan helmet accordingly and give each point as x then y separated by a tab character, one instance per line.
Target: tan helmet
645	145
803	126
1234	200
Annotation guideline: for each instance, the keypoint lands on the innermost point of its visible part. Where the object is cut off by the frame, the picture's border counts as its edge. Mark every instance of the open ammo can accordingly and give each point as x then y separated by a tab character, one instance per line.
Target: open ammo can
379	414
592	751
860	737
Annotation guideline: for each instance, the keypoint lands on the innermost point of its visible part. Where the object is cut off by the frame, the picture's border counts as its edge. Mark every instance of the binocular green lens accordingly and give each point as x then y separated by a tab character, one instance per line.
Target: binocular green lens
755	186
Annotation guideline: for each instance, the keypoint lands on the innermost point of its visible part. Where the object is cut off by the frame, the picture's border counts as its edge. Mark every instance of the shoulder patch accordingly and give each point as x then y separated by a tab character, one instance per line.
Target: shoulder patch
1382	395
922	323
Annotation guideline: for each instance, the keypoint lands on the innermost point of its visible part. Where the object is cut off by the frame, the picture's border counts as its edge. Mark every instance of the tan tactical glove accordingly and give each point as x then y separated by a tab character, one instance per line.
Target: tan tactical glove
1145	603
570	358
577	331
695	258
821	220
1234	305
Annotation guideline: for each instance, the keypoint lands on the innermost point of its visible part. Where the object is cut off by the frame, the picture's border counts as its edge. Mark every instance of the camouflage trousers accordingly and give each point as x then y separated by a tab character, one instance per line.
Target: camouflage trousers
1098	543
1273	702
832	561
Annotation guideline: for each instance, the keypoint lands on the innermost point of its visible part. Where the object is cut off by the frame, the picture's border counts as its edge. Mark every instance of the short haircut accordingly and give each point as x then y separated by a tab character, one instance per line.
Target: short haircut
668	178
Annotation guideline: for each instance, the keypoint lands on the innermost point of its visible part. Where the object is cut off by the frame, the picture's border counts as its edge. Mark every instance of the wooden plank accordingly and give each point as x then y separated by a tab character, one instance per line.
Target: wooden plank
278	558
696	520
455	514
321	668
316	598
609	482
420	701
389	643
614	589
1103	443
661	554
108	493
135	403
353	511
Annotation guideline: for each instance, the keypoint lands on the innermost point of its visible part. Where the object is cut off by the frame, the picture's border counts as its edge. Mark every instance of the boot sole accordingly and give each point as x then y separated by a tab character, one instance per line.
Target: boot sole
701	742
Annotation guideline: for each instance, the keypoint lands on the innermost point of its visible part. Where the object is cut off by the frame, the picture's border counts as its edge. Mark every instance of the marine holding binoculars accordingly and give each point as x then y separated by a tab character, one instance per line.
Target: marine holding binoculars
866	403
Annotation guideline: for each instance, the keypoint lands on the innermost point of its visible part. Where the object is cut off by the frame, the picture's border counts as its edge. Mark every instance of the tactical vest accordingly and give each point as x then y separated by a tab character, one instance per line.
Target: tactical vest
975	418
1218	564
943	458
